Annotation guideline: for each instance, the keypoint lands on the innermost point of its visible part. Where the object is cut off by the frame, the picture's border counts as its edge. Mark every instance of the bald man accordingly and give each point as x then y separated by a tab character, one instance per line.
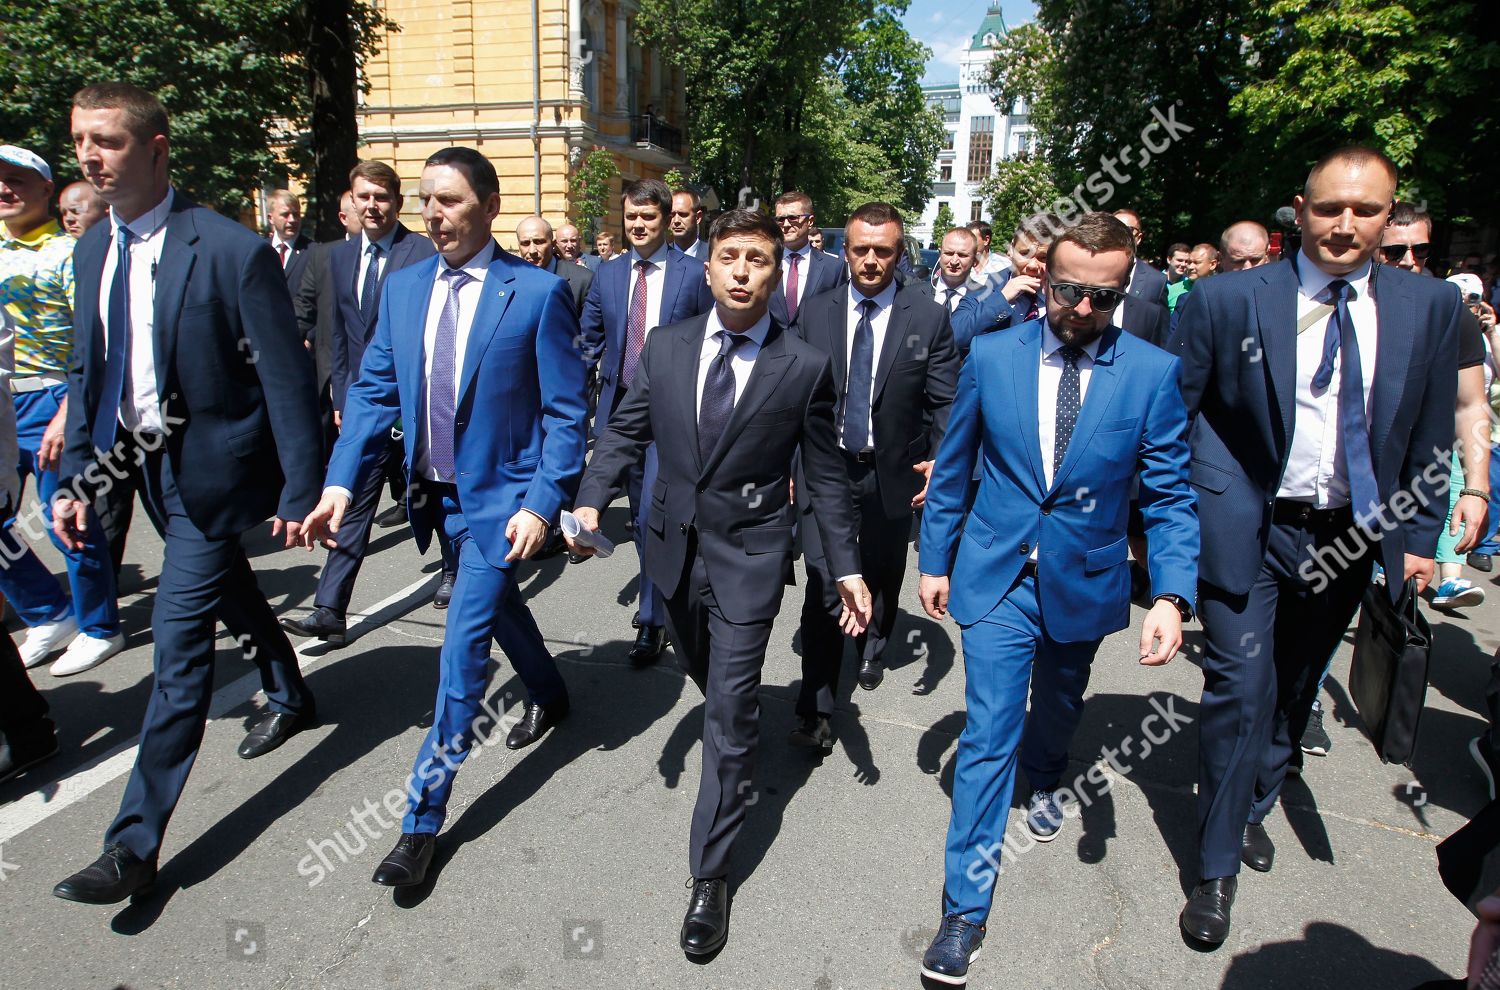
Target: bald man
1244	245
538	246
81	208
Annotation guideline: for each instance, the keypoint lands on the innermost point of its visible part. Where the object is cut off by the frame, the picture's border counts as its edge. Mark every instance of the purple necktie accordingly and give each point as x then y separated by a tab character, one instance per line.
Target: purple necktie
635	327
791	288
442	393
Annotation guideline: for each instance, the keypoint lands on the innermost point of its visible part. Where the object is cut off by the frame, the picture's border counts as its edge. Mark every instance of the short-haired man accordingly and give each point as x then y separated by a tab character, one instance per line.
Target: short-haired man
284	213
987	261
487	382
1146	283
1302	442
1205	261
652	285
212	443
537	246
1031	562
80	207
956	276
894	369
604	246
720	534
36	290
687	216
805	270
1244	244
569	244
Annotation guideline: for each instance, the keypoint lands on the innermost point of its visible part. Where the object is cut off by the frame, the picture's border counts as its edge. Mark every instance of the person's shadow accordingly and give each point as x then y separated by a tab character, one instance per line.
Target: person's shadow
1329	956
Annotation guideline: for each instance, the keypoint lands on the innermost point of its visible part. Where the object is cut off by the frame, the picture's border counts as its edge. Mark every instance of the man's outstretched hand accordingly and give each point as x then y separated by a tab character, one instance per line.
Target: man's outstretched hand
322	523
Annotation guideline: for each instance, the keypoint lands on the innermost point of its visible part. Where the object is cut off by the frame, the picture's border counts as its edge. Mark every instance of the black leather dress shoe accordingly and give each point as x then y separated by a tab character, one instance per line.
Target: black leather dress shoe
444	593
324	623
23	748
534	724
273	730
407	864
110	879
649	643
706	924
812	733
394	516
870	674
1257	851
1481	561
1205	917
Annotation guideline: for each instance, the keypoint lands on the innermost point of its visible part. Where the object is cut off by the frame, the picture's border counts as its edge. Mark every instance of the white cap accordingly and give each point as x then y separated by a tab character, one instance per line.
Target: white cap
25	159
1468	284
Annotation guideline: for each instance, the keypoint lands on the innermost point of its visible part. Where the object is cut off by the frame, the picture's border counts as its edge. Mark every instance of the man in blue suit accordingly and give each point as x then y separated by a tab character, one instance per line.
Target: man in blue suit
1324	407
805	271
1015	294
651	285
475	352
191	385
1059	415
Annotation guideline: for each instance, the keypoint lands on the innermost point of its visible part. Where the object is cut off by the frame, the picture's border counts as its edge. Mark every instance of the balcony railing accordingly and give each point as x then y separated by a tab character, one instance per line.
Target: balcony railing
647	130
942	189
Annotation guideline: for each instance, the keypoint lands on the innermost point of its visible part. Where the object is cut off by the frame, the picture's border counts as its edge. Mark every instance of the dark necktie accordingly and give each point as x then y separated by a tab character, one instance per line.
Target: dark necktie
1354	428
116	346
861	377
950	298
281	253
441	390
718	394
635	327
367	292
1069	399
791	287
1034	310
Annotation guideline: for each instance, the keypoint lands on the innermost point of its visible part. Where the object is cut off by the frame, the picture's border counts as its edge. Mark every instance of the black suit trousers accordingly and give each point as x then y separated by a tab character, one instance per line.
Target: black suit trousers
882	557
724	659
23	710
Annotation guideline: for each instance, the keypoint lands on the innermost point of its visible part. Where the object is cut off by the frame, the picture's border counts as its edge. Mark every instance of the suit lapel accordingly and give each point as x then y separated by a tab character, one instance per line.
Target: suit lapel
88	272
1395	322
1276	322
895	336
770	367
494	299
1026	363
671	285
683	373
401	248
1103	378
178	256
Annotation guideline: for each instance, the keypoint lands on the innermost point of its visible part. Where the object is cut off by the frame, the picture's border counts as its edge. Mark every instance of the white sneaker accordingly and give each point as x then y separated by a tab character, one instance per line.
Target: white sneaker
46	639
86	652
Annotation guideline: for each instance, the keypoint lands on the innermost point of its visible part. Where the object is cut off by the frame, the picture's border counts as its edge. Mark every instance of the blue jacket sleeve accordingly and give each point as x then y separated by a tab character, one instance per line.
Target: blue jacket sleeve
952	476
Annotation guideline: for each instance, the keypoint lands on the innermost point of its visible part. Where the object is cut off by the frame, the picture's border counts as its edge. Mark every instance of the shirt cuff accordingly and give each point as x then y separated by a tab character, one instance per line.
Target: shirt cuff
545	521
336	490
849	577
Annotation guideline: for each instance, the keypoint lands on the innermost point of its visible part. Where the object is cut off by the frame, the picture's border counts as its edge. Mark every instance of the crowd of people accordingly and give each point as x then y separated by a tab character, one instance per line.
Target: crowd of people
1068	428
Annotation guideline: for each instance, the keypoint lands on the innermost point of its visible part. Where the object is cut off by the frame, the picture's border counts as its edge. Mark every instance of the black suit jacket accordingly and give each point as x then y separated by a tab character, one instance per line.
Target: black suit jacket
302	246
738	499
914	382
1146	319
313	298
236	383
1148	284
349	333
824	271
579	279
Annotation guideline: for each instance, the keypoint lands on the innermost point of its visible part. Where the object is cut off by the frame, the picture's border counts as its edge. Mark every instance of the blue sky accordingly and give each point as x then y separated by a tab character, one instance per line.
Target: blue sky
946	26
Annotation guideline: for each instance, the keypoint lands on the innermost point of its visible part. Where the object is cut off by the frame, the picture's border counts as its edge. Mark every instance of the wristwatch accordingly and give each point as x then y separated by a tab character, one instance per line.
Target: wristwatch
1184	608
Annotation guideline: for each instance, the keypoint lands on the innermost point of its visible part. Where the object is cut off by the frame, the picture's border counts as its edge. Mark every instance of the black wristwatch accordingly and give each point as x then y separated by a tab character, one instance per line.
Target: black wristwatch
1184	609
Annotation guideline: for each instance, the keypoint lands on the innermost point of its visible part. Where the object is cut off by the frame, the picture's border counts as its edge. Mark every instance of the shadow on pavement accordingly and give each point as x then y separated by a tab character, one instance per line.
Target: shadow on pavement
1329	957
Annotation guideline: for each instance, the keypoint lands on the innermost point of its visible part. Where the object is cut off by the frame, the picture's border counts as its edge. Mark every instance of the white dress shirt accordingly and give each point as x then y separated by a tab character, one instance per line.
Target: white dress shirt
879	320
741	362
276	245
1315	468
656	281
364	262
140	406
803	266
949	297
1049	378
468	301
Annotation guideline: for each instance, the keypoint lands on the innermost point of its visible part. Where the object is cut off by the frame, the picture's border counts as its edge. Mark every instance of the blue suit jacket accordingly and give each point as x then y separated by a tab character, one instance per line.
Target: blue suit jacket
985	312
518	423
349	334
1132	424
235	381
824	271
1238	340
606	311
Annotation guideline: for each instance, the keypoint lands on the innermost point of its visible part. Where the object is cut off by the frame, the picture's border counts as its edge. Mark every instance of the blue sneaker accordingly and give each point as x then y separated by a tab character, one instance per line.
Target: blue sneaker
956	946
1457	593
1044	816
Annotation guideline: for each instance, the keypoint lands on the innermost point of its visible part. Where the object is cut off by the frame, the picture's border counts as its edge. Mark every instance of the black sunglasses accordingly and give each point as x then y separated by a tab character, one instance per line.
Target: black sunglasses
1070	294
1396	252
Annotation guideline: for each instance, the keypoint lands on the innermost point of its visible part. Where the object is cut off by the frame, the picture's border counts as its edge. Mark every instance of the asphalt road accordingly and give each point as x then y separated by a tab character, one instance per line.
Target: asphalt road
565	864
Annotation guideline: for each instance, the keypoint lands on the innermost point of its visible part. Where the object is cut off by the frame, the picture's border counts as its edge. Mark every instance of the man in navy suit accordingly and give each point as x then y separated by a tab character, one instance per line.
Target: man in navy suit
190	379
651	285
687	217
1324	429
805	271
291	245
1146	283
475	352
355	278
1060	416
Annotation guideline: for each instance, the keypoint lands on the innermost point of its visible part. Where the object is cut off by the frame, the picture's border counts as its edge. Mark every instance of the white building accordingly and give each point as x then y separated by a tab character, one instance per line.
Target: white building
976	134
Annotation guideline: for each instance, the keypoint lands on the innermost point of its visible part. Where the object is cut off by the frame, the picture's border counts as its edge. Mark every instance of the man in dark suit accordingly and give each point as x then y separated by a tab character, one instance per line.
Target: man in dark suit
1143	318
476	352
1324	430
1146	283
1059	416
956	275
805	271
315	300
535	244
188	374
651	285
739	395
357	270
687	218
894	371
284	211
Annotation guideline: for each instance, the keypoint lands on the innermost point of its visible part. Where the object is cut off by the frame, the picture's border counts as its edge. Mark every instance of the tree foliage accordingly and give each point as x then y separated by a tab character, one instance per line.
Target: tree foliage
589	189
942	223
1019	187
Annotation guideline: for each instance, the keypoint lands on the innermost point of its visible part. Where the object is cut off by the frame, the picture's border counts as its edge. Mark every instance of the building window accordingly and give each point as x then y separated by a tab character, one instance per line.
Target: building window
947	140
974	209
945	173
981	147
1025	142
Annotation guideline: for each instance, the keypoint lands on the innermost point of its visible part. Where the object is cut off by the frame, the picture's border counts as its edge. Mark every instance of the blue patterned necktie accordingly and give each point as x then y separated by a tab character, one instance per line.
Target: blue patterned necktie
718	394
372	277
1069	400
116	345
442	392
1354	427
861	378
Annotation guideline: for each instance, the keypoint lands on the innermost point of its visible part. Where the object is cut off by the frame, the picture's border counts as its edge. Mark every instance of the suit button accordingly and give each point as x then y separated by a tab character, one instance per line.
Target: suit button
1025	549
682	529
1046	510
702	489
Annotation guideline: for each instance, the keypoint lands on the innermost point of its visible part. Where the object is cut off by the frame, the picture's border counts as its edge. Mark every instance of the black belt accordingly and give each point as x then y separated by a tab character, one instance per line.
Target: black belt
861	456
1028	569
1288	512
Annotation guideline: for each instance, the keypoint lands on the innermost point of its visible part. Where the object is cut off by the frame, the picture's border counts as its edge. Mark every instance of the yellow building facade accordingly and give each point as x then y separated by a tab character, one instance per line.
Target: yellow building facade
534	85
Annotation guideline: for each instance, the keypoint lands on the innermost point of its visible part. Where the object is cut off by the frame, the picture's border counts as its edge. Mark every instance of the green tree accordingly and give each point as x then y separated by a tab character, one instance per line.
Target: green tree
589	189
942	223
1018	187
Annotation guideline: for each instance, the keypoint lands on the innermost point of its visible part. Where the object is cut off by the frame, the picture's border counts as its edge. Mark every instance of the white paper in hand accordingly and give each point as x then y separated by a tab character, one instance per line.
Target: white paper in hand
574	530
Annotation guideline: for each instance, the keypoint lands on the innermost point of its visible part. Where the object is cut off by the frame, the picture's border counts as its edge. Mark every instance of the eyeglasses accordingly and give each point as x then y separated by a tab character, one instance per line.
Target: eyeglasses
1070	294
1395	252
792	219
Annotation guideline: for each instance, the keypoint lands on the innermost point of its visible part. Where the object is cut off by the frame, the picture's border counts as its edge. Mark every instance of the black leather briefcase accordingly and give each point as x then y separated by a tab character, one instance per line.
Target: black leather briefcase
1388	676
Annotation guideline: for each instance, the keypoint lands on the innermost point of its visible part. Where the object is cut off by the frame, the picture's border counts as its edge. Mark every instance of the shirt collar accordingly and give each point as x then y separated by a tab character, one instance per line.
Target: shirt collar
385	242
756	333
1314	280
883	298
657	259
476	266
146	224
1051	345
276	241
805	252
35	237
